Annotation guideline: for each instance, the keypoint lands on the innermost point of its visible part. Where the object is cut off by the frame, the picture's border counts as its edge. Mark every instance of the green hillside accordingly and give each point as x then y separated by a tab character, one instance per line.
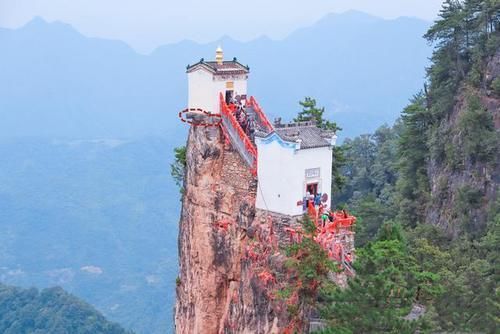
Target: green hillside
49	311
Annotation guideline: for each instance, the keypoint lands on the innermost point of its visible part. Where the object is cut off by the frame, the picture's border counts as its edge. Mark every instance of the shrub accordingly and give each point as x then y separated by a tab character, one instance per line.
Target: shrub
495	85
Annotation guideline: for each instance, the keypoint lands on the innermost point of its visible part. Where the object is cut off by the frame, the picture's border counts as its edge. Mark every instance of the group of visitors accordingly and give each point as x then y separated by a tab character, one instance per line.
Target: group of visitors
314	203
247	122
311	199
333	232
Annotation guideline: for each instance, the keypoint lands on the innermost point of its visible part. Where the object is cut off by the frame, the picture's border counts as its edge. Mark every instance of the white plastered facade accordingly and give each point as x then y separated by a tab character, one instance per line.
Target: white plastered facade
281	172
204	88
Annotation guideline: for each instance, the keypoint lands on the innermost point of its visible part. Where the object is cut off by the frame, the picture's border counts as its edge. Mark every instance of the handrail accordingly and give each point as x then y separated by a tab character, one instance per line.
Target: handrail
262	116
335	247
238	137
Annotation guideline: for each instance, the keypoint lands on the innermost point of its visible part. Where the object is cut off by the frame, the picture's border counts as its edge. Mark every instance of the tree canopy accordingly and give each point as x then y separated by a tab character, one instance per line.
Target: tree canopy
403	261
49	311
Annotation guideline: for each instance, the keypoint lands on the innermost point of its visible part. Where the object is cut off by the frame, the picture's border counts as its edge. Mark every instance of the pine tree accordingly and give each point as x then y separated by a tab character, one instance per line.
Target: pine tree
477	130
413	185
178	167
311	113
383	291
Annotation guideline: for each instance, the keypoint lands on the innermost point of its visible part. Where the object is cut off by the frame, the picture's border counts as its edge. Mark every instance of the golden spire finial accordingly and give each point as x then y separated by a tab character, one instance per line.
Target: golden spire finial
219	55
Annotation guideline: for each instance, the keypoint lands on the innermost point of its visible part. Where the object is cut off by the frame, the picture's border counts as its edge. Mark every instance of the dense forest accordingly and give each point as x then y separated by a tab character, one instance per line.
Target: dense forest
426	194
49	311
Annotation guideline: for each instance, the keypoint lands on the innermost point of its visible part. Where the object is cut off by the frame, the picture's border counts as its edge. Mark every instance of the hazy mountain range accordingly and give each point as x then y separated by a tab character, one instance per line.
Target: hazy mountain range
87	128
96	217
55	81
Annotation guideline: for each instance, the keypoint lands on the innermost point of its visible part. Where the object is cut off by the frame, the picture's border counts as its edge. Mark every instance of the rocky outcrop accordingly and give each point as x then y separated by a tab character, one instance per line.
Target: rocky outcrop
463	189
233	277
218	290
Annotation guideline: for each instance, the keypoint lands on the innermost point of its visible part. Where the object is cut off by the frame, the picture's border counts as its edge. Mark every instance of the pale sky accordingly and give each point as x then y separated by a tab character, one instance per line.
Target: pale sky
145	24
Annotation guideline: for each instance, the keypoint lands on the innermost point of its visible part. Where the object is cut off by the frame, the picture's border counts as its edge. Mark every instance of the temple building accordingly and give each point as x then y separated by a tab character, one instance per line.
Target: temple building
292	162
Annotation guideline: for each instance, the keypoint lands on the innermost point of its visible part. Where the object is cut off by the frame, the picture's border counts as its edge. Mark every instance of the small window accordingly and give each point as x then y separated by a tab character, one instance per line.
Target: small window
312	172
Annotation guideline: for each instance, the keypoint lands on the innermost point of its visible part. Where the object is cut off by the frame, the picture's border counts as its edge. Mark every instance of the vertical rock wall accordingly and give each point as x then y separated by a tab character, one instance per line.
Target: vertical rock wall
216	292
450	186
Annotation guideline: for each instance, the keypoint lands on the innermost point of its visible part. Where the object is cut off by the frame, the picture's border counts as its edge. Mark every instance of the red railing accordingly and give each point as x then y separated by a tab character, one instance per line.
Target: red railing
238	138
261	117
331	236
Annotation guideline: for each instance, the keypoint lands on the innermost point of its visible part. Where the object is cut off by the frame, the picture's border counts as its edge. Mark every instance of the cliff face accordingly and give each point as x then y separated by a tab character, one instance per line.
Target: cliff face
464	184
218	290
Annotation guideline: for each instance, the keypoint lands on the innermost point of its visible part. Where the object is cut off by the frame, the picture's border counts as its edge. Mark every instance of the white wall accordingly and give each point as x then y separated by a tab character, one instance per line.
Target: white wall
204	89
200	90
281	175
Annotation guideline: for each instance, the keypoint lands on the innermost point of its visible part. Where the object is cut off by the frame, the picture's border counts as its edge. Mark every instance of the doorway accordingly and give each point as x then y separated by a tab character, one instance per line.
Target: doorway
229	96
312	188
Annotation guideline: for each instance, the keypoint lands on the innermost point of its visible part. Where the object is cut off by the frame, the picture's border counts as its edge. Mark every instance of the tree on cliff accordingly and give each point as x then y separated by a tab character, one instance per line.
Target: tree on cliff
178	167
413	154
308	265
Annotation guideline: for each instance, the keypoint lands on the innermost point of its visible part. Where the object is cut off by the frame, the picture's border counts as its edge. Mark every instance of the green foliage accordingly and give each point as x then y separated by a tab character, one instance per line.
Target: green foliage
413	152
467	200
370	177
480	139
386	181
338	161
310	262
467	297
312	113
495	85
382	293
465	33
383	178
284	293
93	203
49	311
371	214
178	167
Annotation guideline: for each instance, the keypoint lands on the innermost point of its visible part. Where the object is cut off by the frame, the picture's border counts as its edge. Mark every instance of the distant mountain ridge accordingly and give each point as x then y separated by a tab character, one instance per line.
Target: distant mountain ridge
50	311
95	217
56	82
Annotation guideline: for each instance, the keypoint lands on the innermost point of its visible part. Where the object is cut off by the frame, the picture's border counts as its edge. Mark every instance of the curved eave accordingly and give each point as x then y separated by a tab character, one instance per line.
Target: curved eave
274	137
200	65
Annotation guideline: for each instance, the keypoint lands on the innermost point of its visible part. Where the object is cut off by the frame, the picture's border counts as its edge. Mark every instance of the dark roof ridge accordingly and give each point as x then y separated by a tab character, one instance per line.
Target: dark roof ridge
212	65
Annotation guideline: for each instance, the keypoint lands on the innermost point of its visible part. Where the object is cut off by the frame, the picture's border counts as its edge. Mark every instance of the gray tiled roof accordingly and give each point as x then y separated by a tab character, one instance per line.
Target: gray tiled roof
310	135
227	67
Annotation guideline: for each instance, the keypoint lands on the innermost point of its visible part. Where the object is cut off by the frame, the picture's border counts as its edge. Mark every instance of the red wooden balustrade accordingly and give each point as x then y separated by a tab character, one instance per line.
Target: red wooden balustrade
237	137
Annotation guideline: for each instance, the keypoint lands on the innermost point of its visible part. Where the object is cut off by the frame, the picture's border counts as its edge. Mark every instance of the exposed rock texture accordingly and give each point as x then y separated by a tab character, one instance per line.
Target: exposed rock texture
454	186
231	266
218	291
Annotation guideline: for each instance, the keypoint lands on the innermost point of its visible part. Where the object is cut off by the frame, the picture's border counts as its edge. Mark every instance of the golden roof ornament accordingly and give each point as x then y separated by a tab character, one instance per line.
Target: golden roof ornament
219	55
